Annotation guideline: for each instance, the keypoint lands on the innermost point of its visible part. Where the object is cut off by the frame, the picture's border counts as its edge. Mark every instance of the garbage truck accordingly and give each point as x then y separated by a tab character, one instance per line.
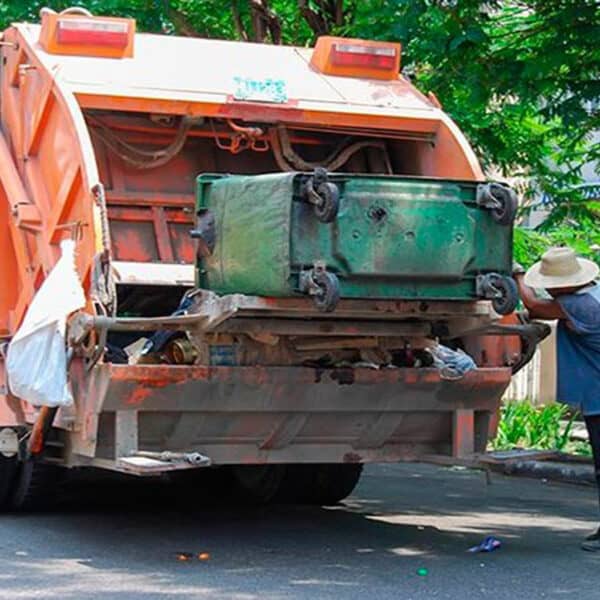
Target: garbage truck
268	246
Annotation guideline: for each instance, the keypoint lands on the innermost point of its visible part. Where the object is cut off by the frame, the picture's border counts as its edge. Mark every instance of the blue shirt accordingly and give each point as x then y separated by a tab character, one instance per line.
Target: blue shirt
578	350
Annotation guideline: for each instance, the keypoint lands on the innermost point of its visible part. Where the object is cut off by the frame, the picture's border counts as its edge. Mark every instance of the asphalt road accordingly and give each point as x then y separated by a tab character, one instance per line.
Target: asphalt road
123	543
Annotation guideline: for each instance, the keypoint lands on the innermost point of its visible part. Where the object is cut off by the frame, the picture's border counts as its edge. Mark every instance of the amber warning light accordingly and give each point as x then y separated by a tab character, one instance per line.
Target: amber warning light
376	57
91	32
356	58
86	35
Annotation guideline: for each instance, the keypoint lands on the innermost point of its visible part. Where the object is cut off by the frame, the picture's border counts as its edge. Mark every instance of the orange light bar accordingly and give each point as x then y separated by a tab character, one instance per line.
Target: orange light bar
108	37
347	57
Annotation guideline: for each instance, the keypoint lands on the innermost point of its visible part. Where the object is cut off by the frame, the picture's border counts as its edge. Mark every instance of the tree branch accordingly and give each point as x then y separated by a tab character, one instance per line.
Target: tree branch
237	21
182	25
264	19
313	18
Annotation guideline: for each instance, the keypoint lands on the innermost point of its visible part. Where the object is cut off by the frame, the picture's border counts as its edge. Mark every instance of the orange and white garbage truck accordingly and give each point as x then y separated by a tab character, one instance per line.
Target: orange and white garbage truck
269	245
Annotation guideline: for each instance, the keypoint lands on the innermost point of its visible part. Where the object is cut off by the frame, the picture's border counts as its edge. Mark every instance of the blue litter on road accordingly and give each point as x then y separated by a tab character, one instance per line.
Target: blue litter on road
489	544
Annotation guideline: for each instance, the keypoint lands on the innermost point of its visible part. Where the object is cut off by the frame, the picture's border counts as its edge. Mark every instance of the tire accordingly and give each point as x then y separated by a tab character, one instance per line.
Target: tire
505	213
320	485
334	482
35	486
296	487
327	211
213	486
329	290
8	472
509	299
257	484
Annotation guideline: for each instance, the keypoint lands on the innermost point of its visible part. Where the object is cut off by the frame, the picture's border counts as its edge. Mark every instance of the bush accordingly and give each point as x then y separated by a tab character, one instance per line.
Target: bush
529	245
523	425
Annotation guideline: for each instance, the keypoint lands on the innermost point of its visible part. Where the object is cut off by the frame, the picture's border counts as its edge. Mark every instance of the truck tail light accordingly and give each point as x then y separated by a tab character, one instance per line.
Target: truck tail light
93	32
82	34
374	57
356	58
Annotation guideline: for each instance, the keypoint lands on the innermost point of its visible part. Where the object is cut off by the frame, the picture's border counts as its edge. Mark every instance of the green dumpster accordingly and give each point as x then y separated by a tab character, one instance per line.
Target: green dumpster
355	236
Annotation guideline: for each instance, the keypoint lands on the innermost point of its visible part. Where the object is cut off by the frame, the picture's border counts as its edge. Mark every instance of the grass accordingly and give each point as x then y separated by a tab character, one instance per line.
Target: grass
523	425
579	447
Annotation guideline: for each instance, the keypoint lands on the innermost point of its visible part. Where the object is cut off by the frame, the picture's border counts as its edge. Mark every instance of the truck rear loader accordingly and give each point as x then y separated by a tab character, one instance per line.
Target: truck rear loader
269	240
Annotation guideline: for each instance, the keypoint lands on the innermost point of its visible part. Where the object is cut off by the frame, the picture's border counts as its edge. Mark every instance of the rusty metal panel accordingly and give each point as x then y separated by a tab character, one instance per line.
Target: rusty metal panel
463	432
133	242
286	414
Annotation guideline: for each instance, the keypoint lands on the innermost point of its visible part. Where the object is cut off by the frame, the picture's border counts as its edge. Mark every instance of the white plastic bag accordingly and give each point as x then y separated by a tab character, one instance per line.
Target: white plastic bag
36	362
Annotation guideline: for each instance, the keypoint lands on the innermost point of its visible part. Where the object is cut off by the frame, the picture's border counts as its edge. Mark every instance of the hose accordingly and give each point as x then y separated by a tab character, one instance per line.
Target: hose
137	157
288	160
285	156
278	153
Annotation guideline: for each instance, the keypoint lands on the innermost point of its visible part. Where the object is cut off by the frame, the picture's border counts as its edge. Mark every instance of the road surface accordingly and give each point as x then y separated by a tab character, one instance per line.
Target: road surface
124	543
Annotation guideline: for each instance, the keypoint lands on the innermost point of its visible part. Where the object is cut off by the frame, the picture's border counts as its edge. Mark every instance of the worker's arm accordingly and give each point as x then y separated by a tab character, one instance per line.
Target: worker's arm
539	308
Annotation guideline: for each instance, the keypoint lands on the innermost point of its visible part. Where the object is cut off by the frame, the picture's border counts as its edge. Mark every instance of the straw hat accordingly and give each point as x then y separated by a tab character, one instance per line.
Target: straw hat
559	268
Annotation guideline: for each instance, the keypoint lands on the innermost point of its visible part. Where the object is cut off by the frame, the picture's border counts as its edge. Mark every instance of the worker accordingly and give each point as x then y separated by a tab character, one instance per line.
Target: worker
574	301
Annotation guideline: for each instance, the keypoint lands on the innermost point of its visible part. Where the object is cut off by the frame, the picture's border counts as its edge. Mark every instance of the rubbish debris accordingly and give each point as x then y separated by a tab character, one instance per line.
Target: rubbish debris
184	556
135	350
187	556
422	572
489	544
160	339
453	364
36	362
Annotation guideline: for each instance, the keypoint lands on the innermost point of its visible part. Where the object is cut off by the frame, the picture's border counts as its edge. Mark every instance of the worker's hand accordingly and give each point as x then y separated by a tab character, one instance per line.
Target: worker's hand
517	269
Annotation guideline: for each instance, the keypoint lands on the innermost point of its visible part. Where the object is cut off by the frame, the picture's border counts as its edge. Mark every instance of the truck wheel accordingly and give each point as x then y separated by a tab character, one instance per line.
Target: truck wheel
328	294
334	482
509	295
35	486
296	487
8	471
258	483
327	210
321	484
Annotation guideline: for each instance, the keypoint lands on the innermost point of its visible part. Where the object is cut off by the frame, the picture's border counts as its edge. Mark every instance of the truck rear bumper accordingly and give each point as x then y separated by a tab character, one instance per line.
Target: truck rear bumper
282	414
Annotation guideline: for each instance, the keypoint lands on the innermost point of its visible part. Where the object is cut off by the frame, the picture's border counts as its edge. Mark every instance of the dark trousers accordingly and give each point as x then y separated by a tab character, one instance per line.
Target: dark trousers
592	422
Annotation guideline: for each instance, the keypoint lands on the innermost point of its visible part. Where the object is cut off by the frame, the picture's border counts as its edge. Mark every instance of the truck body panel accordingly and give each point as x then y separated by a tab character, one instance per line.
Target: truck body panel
278	415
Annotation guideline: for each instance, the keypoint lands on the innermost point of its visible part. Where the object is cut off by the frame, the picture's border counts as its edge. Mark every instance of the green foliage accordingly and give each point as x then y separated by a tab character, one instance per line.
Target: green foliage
571	207
529	245
518	77
210	18
521	78
523	425
579	447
